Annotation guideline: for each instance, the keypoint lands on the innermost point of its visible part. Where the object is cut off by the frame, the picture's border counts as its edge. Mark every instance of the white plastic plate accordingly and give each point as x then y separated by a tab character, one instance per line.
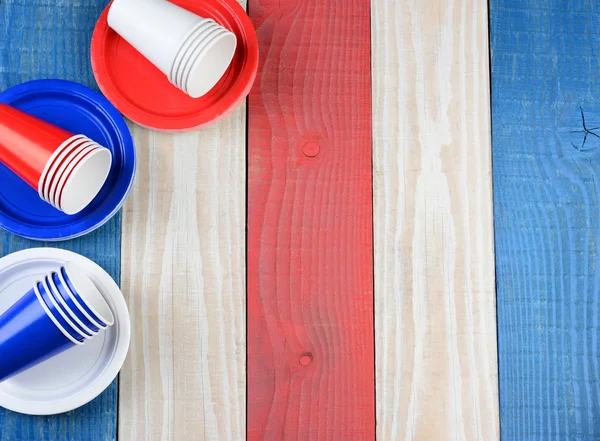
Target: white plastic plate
79	375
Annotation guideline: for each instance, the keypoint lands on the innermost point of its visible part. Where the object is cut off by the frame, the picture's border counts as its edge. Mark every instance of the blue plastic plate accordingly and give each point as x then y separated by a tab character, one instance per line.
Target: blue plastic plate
77	109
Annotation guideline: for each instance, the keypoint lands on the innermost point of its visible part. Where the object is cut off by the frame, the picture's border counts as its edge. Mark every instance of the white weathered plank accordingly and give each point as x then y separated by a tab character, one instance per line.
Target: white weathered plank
434	256
183	272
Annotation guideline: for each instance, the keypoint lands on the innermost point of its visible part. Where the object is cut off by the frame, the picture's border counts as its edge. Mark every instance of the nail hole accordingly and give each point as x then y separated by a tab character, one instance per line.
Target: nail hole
306	359
311	149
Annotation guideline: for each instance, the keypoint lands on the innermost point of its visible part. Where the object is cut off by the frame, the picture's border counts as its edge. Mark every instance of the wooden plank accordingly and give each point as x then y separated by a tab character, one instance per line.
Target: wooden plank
40	39
546	85
310	269
434	257
184	274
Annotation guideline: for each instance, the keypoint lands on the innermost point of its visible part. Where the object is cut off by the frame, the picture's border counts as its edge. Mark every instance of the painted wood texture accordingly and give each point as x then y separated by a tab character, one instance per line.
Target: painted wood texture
184	275
433	221
546	114
40	39
310	269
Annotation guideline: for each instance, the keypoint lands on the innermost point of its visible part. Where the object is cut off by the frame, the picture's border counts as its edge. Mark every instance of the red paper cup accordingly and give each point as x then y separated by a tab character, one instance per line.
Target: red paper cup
27	144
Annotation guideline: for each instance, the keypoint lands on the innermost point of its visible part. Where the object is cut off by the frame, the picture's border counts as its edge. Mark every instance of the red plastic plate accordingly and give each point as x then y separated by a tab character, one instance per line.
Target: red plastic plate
144	94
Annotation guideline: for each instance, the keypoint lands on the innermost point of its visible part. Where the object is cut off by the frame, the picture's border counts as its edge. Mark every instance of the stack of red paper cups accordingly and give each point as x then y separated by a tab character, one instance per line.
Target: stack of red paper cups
67	170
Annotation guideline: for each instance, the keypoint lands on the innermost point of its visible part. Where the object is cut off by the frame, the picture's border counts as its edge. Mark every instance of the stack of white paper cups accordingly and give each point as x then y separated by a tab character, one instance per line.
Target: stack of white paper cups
193	52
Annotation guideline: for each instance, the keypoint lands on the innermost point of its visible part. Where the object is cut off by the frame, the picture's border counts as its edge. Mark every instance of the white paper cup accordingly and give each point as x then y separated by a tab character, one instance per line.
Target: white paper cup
67	168
156	28
200	43
85	181
55	160
193	36
210	65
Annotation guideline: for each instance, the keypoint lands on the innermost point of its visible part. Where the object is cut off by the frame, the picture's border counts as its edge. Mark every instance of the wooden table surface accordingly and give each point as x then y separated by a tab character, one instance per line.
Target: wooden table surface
338	259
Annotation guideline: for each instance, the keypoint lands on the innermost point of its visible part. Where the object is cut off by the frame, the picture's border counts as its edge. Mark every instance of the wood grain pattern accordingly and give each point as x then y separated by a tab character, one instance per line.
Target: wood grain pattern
184	274
310	269
40	39
434	256
546	114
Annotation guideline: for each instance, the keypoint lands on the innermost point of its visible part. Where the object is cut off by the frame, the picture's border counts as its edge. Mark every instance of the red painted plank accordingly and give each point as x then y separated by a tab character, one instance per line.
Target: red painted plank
311	362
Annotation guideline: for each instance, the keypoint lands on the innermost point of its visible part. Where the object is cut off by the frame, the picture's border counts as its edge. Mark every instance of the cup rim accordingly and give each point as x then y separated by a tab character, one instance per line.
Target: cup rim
78	276
75	159
203	54
76	301
189	39
51	316
199	47
62	313
65	200
63	162
58	295
55	159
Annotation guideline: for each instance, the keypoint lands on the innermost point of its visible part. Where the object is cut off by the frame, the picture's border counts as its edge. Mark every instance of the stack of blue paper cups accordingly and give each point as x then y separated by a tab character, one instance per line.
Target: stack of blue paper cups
62	310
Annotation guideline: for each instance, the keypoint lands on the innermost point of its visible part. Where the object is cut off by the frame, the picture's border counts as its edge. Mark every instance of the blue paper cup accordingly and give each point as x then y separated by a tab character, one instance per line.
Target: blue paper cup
70	304
87	296
64	311
29	334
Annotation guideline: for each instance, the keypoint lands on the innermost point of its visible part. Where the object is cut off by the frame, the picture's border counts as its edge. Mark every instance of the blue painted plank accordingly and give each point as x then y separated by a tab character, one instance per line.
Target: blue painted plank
546	165
51	39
